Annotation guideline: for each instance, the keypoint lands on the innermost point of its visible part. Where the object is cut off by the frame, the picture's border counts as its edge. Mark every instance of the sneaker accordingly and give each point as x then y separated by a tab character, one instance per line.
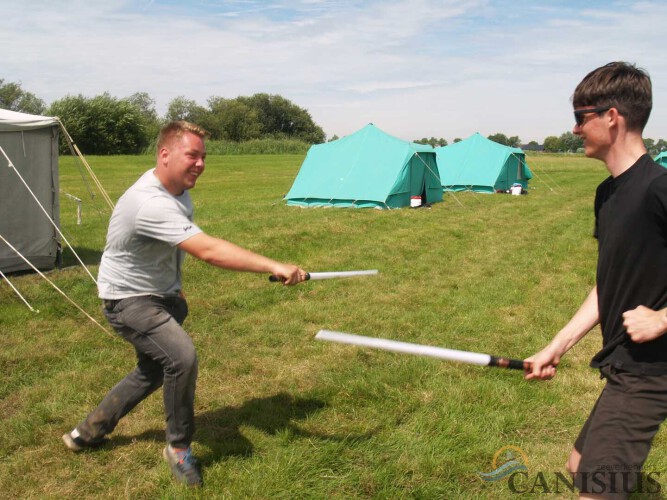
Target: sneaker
183	466
75	442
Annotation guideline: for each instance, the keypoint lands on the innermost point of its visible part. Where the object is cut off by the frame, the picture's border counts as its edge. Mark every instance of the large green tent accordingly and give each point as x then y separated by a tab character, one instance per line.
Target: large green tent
662	159
369	168
481	165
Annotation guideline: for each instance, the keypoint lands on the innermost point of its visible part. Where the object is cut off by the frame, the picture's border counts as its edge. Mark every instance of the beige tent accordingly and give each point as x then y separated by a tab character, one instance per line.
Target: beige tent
30	144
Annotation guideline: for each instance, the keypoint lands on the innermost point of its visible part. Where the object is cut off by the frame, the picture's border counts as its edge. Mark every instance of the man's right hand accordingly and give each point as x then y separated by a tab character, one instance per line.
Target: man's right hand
289	274
544	364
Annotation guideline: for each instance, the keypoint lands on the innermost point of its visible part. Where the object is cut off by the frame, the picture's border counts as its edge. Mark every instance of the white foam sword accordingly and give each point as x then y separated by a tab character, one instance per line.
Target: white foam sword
332	275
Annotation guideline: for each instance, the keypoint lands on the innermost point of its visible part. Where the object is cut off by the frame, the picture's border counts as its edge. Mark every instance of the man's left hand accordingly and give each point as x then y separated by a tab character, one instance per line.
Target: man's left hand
644	324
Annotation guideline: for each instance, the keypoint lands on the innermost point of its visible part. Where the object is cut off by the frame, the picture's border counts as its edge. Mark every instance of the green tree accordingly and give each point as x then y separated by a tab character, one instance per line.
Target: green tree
334	138
457	139
432	141
181	108
14	98
499	138
552	144
233	120
246	118
570	142
649	144
514	141
146	106
103	124
661	145
279	117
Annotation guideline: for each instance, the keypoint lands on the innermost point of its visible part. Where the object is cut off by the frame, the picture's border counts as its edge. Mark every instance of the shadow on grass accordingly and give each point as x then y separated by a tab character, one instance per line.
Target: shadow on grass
220	430
89	256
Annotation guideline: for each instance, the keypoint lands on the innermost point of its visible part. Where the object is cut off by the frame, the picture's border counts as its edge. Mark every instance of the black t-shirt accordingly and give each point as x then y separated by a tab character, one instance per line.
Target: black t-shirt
631	228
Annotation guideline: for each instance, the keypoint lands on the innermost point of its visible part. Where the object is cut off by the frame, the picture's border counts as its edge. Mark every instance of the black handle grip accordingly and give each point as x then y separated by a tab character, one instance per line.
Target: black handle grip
273	278
514	364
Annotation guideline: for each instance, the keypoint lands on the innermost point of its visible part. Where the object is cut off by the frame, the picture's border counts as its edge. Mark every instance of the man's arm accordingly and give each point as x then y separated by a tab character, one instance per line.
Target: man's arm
221	253
545	361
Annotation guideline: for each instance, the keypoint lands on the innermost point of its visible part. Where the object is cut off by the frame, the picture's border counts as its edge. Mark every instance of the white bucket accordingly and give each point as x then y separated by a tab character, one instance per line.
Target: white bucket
415	201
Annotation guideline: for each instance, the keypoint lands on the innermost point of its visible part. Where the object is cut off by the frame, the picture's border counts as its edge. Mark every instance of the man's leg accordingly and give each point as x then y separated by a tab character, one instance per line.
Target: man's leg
134	388
165	354
614	443
573	460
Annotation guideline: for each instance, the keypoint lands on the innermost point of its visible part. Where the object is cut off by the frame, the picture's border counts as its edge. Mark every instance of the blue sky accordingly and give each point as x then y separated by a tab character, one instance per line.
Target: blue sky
415	68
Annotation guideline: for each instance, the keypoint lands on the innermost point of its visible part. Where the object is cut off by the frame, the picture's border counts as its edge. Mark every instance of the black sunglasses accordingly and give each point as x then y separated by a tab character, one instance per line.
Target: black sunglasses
580	113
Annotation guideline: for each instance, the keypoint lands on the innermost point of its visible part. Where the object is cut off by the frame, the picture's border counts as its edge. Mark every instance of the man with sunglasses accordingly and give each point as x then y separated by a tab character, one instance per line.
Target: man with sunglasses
611	107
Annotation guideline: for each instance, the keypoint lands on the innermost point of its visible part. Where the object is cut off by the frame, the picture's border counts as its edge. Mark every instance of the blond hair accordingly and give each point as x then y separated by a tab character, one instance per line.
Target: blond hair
176	129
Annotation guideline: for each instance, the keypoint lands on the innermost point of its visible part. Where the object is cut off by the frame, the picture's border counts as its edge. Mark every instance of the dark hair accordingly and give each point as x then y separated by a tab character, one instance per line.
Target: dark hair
176	129
619	85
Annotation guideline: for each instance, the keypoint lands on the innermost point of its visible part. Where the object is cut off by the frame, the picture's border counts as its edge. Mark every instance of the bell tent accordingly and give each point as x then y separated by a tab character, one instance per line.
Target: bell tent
662	159
368	168
481	165
30	144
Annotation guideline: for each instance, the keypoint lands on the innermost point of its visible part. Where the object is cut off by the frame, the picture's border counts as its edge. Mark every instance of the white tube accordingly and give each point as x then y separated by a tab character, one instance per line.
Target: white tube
341	274
405	347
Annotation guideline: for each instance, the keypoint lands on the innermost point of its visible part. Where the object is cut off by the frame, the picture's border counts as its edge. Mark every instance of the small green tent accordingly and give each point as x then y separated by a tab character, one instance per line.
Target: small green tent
481	165
369	168
662	159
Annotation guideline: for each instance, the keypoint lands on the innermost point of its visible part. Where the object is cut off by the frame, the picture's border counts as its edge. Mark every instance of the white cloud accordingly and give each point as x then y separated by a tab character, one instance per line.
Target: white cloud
414	67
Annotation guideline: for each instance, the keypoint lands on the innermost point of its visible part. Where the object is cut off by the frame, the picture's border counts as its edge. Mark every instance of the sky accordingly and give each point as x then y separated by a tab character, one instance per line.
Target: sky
414	68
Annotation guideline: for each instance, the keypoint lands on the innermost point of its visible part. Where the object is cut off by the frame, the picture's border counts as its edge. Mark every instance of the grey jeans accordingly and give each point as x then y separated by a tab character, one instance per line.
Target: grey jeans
166	357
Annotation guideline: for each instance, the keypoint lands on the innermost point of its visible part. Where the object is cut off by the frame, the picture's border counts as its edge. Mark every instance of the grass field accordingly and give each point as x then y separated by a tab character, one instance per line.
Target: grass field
280	415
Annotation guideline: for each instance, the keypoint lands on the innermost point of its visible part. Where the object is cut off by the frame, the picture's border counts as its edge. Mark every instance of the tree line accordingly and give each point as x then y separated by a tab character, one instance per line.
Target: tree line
570	143
565	143
513	142
108	125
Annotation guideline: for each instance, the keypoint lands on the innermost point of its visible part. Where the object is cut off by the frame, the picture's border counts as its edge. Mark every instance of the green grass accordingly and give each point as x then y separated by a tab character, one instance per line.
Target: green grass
280	415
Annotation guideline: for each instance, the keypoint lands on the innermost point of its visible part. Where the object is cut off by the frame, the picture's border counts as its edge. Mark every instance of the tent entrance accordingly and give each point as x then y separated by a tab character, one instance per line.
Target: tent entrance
417	180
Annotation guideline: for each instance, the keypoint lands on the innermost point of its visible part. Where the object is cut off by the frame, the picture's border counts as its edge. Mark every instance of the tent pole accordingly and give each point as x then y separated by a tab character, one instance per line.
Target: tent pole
54	286
88	168
17	292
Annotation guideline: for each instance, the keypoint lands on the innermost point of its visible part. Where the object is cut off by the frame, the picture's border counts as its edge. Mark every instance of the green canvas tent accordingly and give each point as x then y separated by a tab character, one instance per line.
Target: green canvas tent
369	168
481	165
662	159
30	142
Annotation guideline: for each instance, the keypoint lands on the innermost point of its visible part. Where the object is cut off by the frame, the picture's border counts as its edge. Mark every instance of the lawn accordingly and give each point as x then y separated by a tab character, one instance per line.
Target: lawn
281	415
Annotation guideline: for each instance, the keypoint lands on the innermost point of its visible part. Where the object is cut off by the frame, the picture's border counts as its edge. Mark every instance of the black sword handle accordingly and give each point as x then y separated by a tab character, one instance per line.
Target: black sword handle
513	364
274	278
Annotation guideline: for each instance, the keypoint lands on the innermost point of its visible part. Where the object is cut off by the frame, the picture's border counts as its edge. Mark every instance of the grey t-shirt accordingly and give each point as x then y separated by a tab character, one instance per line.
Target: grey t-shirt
141	256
